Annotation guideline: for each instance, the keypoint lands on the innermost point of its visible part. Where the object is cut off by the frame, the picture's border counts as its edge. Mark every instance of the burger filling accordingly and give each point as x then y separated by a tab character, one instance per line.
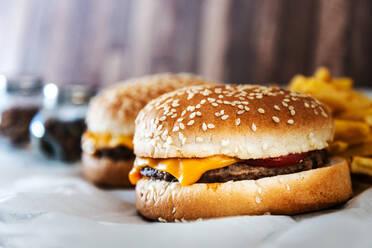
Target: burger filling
117	153
114	147
242	169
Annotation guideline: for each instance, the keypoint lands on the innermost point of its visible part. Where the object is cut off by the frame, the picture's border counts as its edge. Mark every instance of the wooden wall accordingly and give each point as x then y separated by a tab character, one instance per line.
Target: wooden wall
101	41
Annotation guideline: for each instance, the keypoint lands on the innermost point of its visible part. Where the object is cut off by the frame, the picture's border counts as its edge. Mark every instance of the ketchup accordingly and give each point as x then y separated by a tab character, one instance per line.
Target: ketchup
278	161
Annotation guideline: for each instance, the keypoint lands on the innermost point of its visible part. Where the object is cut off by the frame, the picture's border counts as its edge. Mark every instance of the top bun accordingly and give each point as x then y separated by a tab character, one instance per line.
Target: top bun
114	110
242	121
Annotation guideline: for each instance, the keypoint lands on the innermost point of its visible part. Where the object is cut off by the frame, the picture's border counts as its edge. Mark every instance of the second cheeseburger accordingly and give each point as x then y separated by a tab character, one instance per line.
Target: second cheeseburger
107	145
213	151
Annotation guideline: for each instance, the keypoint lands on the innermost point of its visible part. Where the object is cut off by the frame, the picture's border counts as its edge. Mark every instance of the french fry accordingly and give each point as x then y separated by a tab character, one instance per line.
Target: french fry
361	165
352	132
338	147
352	114
368	119
359	114
343	83
364	149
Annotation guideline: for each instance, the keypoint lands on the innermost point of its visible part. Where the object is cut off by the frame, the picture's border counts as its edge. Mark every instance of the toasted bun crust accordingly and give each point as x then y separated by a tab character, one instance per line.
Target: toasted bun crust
115	109
243	121
286	194
104	171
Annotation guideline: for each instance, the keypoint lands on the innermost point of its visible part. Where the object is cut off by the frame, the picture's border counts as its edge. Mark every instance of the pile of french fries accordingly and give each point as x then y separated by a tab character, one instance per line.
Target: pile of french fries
352	113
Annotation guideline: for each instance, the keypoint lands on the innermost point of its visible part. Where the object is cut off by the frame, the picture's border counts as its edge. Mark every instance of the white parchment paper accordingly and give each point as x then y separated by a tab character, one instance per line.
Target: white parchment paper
48	204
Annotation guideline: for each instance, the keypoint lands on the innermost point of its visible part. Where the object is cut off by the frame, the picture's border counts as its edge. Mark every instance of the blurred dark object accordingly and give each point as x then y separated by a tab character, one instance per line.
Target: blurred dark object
57	129
15	122
20	100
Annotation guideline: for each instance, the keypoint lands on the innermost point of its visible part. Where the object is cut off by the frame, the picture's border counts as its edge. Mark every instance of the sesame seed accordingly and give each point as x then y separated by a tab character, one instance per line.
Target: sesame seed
240	112
210	126
175	104
276	119
217	114
240	106
183	113
224	117
246	108
219	101
259	96
162	118
203	101
174	210
261	110
192	115
316	112
175	128
220	96
237	121
211	99
174	116
197	106
180	135
160	219
254	128
225	142
214	104
307	105
204	126
285	104
290	107
258	199
290	121
222	112
324	114
293	112
288	188
198	113
182	126
190	108
190	122
265	146
286	100
179	119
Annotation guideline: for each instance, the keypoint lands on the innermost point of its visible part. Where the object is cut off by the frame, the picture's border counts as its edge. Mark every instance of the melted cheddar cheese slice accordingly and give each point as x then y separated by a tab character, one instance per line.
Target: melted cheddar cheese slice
186	170
93	141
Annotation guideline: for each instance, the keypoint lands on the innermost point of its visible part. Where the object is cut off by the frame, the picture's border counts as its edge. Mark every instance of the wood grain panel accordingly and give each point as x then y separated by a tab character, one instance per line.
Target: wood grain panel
260	41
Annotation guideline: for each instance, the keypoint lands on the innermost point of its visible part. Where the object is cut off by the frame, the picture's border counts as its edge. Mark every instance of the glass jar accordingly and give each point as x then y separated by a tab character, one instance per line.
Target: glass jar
57	128
20	99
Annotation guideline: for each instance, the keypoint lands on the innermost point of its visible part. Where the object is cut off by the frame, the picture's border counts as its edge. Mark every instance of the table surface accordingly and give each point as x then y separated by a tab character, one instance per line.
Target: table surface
44	203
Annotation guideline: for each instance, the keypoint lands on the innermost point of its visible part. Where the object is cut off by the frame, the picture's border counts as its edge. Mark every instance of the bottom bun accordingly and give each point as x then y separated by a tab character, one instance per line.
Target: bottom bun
105	171
286	194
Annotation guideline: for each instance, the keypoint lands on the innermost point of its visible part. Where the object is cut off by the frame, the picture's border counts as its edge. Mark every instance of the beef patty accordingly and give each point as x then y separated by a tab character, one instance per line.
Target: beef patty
243	171
117	153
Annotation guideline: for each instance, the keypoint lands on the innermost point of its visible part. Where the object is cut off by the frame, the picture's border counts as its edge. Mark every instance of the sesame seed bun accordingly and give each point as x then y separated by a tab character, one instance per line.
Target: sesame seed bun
115	108
114	111
241	121
286	194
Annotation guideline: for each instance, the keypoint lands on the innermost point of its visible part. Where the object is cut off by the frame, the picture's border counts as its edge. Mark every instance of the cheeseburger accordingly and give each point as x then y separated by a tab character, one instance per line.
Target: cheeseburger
213	151
107	144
